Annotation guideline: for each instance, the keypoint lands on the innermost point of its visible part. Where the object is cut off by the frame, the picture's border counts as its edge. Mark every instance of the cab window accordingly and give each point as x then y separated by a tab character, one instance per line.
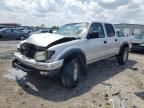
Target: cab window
97	27
110	30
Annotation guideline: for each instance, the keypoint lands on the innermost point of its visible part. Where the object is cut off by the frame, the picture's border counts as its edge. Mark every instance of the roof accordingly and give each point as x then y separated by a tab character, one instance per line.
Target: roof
130	24
7	28
89	21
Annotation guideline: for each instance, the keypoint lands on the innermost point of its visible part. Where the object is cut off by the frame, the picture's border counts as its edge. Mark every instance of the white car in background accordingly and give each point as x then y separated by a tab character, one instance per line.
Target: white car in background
27	31
121	36
138	42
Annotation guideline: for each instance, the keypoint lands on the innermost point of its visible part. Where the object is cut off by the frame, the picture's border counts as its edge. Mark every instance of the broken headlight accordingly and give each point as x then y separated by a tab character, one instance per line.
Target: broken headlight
40	56
43	55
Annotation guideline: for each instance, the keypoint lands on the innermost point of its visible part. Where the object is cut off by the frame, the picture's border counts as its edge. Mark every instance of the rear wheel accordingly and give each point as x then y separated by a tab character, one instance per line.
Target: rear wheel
70	73
123	56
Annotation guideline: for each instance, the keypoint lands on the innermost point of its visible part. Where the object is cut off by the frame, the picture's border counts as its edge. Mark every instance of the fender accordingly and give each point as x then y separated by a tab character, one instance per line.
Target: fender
72	52
81	57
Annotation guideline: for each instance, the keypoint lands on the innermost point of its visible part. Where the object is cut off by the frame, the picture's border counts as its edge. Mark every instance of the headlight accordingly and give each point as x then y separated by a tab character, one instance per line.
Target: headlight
19	45
40	56
43	55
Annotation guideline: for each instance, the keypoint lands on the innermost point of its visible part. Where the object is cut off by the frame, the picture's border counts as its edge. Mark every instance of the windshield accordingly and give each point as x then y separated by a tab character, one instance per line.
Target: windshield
139	36
76	30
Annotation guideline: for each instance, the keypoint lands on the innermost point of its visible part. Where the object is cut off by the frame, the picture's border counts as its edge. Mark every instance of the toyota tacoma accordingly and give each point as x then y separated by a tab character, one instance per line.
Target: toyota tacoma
68	51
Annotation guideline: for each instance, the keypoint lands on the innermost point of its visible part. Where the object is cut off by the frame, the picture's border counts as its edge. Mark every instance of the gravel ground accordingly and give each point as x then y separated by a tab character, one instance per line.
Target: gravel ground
107	85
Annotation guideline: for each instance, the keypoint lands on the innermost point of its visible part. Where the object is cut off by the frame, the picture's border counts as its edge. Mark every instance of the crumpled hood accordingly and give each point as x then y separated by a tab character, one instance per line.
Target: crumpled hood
43	39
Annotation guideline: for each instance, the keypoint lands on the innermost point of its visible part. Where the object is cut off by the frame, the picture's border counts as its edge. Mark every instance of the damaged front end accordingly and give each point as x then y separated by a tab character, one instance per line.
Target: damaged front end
29	50
31	57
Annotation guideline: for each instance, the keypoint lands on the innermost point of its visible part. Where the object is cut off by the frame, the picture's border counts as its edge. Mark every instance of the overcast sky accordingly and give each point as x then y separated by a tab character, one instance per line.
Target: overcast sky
58	12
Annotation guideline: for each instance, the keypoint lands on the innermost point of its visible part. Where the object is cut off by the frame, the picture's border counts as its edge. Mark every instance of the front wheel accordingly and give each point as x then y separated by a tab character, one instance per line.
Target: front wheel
70	73
123	56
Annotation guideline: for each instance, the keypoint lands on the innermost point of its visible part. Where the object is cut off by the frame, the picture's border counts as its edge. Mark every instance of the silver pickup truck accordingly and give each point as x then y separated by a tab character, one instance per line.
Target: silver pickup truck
68	51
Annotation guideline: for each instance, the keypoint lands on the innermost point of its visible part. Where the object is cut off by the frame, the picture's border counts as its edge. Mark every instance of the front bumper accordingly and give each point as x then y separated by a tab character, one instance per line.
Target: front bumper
139	47
32	64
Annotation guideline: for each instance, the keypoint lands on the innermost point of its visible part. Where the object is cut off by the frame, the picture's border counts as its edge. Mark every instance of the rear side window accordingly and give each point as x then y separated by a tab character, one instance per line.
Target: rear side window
110	30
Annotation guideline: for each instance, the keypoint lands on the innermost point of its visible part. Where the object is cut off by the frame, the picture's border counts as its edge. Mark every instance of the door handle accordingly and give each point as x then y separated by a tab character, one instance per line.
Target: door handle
105	42
116	40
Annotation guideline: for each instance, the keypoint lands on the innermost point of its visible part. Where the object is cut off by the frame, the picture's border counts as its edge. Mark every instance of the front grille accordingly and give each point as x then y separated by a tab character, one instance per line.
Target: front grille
29	50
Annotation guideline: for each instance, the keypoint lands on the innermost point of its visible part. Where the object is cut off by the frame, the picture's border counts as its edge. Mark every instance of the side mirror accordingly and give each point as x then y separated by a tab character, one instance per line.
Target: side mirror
93	35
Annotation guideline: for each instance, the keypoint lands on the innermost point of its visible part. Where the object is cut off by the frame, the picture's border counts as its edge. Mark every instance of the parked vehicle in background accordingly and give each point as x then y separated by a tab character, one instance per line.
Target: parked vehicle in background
122	37
120	34
11	33
25	29
41	31
28	31
138	42
69	50
19	28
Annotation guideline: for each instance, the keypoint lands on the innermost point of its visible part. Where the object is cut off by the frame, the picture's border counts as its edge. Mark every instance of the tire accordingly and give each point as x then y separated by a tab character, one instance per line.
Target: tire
70	73
21	37
29	32
123	56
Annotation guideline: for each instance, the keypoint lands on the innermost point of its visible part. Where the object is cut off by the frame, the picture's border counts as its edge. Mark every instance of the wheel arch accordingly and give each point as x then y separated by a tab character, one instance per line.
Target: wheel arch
19	37
75	53
125	44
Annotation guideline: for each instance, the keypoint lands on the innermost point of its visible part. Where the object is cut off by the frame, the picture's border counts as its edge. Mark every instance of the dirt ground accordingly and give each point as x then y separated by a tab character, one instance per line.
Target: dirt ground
107	85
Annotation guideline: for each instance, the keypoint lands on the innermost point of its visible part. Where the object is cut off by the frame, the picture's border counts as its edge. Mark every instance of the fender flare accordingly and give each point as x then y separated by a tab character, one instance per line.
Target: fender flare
81	56
72	52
